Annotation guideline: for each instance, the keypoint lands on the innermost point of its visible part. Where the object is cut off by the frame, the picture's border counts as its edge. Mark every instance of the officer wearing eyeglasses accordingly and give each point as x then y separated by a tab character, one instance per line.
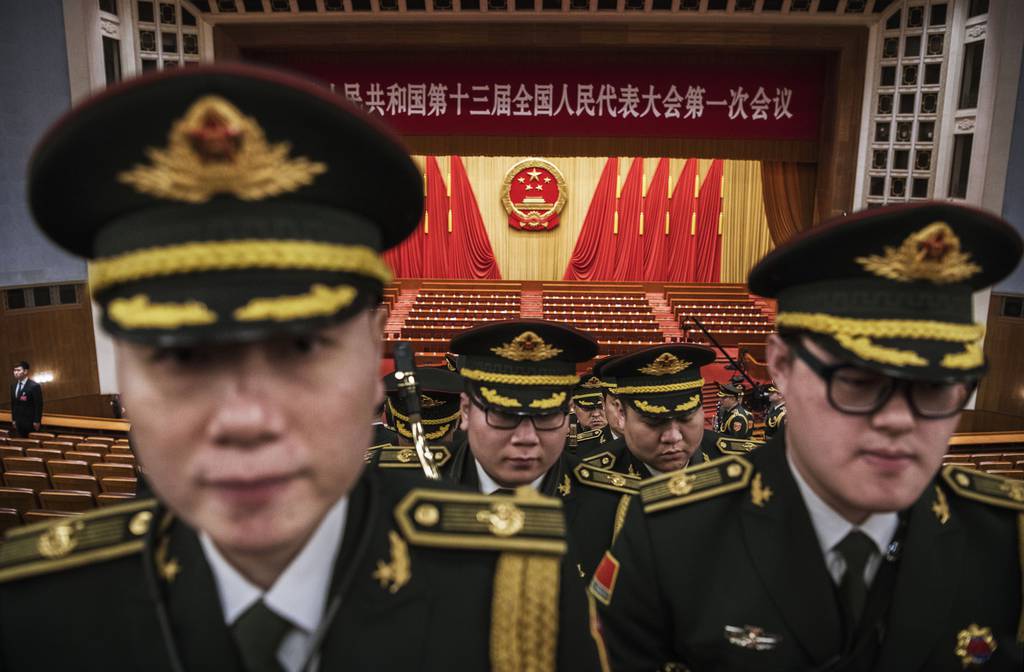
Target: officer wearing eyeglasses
842	544
519	377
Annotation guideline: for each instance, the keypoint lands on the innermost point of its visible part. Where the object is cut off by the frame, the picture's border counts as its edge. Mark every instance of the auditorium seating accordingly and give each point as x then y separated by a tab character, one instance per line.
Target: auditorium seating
62	474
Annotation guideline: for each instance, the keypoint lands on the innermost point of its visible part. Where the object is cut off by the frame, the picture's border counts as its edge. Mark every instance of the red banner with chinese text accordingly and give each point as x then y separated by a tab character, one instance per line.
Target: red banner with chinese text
552	93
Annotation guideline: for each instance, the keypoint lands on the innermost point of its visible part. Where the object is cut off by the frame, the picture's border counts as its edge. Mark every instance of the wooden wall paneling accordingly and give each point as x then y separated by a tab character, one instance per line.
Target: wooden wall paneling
59	339
1002	388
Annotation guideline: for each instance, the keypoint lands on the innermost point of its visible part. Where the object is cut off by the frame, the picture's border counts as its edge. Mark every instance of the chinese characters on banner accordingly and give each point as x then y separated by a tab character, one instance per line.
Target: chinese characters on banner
778	100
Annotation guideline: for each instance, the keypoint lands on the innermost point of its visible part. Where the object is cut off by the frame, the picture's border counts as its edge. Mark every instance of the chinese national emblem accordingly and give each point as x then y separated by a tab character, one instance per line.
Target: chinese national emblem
534	194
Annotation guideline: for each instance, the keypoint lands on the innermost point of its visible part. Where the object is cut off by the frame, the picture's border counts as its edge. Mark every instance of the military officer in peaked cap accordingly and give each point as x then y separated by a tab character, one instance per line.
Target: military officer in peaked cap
842	544
659	389
439	392
732	418
775	416
519	375
234	219
593	446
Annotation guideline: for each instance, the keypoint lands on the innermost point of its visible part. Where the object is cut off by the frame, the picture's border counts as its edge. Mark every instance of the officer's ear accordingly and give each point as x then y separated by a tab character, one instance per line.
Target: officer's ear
464	408
780	358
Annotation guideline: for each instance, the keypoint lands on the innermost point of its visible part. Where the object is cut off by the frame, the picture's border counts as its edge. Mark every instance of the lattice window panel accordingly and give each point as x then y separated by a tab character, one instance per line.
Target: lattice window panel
168	35
906	108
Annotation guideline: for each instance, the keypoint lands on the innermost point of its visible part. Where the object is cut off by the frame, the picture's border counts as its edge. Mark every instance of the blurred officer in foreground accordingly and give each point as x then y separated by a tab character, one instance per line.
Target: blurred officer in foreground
840	545
234	219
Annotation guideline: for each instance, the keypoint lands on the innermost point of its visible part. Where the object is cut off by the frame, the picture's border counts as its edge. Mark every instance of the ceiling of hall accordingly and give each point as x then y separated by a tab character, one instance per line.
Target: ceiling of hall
848	12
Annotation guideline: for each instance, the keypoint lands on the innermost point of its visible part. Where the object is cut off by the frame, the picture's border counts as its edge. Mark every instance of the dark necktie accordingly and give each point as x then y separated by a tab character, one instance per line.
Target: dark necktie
504	491
258	633
856	548
17	392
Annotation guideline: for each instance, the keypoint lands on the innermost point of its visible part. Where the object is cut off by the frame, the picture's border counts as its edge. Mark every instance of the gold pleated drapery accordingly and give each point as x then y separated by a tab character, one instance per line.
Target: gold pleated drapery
533	255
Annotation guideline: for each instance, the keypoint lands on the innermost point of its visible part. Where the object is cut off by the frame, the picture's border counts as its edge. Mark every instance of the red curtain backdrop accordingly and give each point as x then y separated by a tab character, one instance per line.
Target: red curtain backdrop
629	259
594	254
432	251
681	259
470	253
709	206
655	239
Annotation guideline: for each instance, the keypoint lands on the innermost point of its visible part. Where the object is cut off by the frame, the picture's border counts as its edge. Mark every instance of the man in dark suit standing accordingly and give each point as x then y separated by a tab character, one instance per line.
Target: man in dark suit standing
26	401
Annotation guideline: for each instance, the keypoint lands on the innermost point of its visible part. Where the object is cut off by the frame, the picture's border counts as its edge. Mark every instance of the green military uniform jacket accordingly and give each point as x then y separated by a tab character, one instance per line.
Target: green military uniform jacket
591	499
727	574
617	456
154	599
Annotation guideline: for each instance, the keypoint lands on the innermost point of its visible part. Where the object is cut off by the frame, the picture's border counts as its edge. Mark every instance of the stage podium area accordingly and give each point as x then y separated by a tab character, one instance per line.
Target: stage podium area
623	317
62	472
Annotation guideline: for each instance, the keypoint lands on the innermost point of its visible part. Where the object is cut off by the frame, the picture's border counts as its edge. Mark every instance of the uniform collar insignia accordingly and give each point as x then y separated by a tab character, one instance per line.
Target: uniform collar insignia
527	346
940	507
665	364
751	637
395	573
932	254
759	494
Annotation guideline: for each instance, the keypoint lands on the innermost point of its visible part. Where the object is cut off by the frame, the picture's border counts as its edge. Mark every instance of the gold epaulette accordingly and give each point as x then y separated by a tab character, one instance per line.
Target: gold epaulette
605	479
104	534
588	435
982	487
525	522
726	474
736	446
605	459
368	455
404	457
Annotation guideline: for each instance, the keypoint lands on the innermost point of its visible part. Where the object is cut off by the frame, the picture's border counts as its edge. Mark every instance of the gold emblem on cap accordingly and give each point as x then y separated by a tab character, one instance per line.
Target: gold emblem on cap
527	347
665	364
592	382
59	540
429	402
932	254
504	519
215	149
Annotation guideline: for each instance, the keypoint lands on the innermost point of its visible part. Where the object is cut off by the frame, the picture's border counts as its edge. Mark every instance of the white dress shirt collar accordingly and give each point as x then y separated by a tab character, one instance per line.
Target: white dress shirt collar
488	485
300	592
831	528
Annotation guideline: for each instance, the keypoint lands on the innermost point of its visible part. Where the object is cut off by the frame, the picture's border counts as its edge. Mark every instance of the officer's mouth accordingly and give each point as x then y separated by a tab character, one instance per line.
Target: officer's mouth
251	491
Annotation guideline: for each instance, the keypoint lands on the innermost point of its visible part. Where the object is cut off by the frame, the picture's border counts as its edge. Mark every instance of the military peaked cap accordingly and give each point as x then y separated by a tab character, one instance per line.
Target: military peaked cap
890	288
522	367
662	381
224	202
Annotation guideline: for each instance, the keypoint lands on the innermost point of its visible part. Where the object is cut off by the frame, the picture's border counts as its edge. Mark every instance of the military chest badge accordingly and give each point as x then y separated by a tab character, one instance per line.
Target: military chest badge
534	194
975	645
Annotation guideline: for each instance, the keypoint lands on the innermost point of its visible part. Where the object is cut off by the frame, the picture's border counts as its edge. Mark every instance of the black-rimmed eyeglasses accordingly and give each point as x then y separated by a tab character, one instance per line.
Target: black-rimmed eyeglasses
542	423
858	391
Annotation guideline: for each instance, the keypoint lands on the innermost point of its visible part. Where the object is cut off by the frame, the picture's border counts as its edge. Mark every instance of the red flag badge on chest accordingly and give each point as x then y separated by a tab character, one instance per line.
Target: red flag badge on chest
603	584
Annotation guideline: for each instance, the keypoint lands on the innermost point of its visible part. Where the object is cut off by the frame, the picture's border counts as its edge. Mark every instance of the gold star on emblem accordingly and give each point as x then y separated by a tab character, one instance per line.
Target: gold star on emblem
534	174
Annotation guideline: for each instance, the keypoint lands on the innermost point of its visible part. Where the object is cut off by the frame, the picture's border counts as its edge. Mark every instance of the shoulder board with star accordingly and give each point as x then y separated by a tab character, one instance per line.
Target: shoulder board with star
588	435
104	534
606	479
404	457
730	446
605	459
717	477
983	487
524	522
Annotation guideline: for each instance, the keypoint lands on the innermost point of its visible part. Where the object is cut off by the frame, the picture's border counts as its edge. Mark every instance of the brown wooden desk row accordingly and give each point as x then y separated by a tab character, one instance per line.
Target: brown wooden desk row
40	482
68	466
